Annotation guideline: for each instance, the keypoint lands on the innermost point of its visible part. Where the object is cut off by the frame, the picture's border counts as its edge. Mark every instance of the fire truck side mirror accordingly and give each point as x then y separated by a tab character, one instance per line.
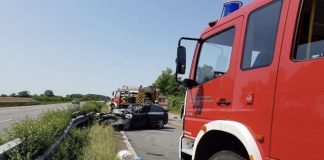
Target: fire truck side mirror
189	83
113	93
181	60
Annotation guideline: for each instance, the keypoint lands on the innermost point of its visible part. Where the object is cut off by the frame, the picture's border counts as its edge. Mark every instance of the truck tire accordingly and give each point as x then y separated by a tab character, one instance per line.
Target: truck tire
112	107
226	155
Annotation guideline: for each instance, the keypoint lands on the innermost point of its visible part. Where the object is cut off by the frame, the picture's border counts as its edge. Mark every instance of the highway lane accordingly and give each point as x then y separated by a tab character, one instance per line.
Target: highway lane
153	144
9	115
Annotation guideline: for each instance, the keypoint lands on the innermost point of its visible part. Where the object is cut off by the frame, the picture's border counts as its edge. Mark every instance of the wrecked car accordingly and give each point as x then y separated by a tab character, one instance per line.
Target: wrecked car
136	116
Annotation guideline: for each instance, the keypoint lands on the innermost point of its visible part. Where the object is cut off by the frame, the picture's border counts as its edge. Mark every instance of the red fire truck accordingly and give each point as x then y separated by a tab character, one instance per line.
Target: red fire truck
255	89
126	95
163	101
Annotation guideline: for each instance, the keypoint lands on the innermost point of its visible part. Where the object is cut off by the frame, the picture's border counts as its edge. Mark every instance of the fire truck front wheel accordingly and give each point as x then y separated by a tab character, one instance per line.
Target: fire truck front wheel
112	107
226	155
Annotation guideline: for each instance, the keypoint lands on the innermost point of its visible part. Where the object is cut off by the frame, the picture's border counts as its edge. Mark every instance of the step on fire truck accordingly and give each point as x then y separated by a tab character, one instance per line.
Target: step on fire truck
127	95
256	85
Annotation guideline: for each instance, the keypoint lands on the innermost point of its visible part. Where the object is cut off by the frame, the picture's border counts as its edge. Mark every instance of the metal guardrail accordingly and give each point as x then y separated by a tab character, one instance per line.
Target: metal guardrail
73	123
8	146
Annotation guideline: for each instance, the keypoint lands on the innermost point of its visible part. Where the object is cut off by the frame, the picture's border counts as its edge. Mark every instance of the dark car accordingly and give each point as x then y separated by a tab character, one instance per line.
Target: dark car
148	116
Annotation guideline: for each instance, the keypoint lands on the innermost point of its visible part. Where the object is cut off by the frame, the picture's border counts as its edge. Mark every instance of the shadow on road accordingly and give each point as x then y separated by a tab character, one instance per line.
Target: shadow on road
165	129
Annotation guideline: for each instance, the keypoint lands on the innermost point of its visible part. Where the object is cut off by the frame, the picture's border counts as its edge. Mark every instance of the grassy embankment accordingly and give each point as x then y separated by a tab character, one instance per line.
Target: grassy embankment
38	134
101	144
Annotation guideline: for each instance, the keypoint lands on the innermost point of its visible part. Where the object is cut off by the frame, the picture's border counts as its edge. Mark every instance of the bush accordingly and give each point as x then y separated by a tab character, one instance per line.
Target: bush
175	103
51	99
71	147
91	107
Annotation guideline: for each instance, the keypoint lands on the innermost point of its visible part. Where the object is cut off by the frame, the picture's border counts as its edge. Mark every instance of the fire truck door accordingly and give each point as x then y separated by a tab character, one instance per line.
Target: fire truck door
214	71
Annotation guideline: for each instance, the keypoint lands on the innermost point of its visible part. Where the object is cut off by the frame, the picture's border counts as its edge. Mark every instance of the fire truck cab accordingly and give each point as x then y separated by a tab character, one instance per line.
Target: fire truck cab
127	95
255	89
124	96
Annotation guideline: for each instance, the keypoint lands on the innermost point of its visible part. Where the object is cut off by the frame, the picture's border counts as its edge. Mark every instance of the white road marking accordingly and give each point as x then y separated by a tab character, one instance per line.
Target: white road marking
5	120
128	145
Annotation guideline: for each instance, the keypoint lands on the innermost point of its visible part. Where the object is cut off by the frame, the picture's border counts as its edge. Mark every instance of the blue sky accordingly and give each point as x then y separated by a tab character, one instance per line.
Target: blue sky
83	46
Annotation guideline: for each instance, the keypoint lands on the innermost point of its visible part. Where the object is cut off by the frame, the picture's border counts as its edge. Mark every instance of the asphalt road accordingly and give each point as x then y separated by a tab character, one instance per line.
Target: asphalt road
9	115
152	144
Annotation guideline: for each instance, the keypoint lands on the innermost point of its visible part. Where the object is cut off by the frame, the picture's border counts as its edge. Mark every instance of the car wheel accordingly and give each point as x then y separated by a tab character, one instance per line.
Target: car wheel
160	124
112	107
126	127
226	155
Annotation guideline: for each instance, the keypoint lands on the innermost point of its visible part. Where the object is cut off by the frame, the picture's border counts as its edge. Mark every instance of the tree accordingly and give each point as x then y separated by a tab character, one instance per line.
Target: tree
13	95
204	73
4	95
49	93
23	94
168	85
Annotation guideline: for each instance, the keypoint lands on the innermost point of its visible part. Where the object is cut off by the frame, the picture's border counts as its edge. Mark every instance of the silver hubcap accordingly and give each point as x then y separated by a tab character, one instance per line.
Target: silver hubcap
160	124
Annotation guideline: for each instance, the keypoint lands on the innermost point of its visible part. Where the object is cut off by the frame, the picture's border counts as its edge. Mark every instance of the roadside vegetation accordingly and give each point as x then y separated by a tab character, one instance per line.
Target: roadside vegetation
169	87
101	144
72	146
38	134
175	103
105	109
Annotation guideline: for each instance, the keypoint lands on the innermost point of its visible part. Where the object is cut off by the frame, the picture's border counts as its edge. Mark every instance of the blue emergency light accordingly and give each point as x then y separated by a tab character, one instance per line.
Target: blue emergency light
231	6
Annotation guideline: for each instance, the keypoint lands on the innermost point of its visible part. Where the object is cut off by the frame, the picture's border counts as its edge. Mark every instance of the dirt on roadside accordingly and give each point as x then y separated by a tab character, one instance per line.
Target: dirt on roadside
121	145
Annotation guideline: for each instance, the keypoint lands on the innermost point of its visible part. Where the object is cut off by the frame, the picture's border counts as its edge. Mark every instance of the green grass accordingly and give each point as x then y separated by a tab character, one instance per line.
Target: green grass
105	109
175	111
175	103
71	147
102	144
91	106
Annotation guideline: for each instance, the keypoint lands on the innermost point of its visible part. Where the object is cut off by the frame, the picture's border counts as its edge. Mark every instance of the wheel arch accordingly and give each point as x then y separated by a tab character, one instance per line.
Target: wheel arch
113	103
238	133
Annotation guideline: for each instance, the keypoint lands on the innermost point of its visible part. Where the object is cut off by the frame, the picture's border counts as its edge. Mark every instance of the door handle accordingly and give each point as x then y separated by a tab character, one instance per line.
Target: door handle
223	101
